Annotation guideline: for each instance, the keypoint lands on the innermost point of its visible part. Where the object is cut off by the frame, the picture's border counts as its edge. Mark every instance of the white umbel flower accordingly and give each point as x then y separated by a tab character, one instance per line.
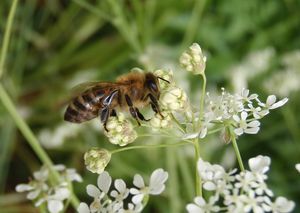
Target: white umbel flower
174	99
193	60
243	126
156	186
96	159
120	130
200	205
159	122
260	164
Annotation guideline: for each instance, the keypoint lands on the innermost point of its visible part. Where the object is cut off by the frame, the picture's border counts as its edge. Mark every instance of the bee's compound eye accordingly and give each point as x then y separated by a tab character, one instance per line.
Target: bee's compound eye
153	86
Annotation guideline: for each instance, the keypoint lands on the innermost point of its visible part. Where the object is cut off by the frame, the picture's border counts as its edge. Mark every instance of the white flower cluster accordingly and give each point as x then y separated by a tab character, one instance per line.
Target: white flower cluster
96	159
56	137
115	200
193	60
238	192
40	191
242	111
120	130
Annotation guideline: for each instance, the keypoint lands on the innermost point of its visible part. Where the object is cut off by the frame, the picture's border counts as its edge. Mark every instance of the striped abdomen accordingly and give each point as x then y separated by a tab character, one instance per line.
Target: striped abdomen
85	106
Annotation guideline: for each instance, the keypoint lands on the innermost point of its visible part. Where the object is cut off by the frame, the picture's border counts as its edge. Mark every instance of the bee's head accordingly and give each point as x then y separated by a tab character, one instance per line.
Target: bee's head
152	83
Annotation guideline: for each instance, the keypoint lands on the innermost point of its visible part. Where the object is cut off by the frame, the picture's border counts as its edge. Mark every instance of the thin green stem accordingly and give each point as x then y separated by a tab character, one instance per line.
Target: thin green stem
31	139
148	147
201	113
177	122
7	35
236	149
197	176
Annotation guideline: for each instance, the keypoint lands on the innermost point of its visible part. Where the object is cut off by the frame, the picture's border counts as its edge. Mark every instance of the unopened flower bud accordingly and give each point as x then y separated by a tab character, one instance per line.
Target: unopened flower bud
167	75
120	131
159	122
96	159
193	60
174	99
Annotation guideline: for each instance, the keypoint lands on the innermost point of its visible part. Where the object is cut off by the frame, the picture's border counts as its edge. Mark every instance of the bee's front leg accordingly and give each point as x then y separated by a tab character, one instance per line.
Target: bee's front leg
104	115
154	105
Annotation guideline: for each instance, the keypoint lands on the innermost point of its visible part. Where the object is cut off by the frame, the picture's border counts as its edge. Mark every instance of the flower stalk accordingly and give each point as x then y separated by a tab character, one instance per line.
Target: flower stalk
197	175
236	150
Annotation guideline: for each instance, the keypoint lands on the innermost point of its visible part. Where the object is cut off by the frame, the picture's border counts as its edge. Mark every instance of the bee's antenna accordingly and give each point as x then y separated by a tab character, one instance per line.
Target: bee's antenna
164	79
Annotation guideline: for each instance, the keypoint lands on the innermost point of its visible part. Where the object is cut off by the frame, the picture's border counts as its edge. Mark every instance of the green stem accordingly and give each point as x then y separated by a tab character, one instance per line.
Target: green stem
31	139
236	149
148	146
201	113
7	34
197	176
177	122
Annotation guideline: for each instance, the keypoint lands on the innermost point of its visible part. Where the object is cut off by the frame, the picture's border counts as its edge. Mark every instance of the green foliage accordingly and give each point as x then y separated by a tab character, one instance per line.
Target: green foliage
57	44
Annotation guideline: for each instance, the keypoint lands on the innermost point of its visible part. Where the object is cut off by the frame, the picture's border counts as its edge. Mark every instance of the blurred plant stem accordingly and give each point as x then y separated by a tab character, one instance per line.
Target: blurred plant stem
192	27
149	146
236	149
128	30
10	107
7	35
197	175
31	139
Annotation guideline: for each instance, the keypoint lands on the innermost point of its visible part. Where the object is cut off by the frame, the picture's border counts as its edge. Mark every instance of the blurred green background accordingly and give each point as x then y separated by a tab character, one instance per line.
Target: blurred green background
57	44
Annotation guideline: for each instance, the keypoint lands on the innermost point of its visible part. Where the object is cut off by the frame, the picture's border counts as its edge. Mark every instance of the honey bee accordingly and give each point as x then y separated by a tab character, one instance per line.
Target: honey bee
130	92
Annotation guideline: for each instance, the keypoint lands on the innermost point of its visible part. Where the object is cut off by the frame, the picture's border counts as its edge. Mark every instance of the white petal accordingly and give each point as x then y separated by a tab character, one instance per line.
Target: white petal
199	201
32	195
244	115
61	194
209	186
239	131
93	191
55	206
138	181
192	208
190	135
59	167
271	100
236	118
279	103
120	185
259	164
134	191
158	177
83	208
254	124
252	130
298	167
157	189
104	181
137	198
23	187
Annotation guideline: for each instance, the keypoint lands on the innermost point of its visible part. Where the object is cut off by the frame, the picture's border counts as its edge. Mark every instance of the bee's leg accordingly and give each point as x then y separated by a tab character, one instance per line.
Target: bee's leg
132	110
104	115
140	115
154	105
113	113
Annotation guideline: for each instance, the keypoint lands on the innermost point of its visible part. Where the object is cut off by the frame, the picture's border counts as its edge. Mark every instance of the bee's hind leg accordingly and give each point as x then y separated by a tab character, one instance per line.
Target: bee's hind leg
104	115
140	115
